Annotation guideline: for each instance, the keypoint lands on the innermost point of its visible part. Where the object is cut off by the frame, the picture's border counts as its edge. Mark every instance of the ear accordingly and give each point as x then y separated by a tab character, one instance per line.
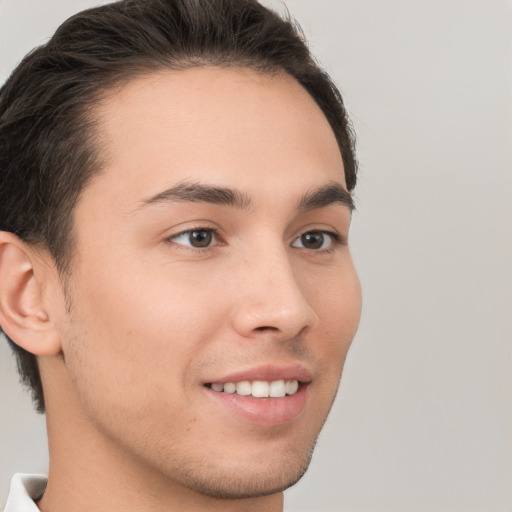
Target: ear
23	315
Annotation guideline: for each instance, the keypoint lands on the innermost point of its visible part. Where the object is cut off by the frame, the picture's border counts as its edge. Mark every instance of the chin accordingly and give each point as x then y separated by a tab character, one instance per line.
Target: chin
246	479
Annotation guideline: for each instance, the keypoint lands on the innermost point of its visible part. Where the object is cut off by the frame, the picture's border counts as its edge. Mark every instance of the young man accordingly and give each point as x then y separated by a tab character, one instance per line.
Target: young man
175	277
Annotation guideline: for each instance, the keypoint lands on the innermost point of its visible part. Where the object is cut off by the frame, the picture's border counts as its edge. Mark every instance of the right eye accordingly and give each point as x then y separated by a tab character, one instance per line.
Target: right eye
196	238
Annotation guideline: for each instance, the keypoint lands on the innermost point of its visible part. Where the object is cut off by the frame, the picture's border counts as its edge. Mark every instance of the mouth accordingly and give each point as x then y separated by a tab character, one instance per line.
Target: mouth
266	396
258	388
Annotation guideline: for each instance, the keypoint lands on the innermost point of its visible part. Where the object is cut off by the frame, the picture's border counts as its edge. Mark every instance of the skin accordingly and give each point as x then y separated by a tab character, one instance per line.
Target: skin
147	319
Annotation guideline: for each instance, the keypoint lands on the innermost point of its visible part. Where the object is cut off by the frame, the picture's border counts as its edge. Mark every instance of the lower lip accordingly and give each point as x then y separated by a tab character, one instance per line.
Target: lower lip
264	411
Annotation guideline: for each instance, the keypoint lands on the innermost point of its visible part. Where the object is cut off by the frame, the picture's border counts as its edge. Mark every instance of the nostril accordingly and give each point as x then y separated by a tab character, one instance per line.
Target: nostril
266	328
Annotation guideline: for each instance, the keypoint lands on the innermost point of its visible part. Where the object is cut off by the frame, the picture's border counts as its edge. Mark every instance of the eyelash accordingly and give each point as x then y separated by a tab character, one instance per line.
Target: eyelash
336	239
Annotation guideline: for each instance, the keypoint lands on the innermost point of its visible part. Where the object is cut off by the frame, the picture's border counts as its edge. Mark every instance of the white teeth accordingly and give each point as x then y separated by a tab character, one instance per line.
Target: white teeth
259	388
277	389
291	387
244	387
229	387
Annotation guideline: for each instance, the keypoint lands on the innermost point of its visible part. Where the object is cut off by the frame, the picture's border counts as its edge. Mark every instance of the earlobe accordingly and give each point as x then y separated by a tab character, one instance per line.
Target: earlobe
23	315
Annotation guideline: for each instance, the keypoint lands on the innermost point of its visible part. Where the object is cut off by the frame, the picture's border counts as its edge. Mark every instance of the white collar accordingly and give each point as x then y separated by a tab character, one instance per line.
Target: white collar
25	490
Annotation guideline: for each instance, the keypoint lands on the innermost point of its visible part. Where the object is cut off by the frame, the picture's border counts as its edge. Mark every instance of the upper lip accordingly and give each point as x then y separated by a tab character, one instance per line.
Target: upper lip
267	372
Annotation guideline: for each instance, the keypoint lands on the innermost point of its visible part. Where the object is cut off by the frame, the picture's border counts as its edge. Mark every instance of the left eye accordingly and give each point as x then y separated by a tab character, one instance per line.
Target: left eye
197	238
315	240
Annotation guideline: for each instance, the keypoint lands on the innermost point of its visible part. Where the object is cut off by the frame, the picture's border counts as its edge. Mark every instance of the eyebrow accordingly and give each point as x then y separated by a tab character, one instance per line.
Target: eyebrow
325	196
197	192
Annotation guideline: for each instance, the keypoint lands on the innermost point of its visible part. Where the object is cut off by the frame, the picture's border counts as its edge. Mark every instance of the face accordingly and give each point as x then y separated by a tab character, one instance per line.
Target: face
212	257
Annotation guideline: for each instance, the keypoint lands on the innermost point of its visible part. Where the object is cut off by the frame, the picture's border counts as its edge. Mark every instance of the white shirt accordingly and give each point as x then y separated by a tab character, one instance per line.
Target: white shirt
25	491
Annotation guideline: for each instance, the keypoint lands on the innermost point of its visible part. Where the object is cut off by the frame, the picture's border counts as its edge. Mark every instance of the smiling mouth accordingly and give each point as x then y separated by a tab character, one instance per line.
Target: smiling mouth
258	388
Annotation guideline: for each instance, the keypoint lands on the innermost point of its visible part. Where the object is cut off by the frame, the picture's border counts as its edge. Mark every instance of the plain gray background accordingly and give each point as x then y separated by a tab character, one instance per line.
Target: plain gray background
424	418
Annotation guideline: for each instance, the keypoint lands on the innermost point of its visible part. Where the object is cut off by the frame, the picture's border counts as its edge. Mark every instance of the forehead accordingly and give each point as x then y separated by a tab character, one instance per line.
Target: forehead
231	126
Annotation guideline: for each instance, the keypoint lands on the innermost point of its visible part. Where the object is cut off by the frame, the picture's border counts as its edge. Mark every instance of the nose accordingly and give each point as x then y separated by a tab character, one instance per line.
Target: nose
270	301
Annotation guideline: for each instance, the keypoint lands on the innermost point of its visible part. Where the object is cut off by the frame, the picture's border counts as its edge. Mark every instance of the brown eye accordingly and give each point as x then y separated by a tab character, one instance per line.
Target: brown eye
197	238
315	240
200	238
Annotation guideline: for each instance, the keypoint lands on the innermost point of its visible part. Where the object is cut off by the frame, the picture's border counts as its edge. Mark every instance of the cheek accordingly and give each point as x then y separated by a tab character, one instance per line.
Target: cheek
129	355
336	298
132	333
337	302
